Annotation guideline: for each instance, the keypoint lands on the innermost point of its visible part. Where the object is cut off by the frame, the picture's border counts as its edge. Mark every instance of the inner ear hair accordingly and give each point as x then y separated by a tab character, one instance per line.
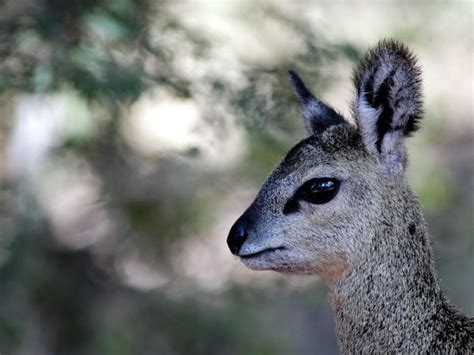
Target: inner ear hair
388	104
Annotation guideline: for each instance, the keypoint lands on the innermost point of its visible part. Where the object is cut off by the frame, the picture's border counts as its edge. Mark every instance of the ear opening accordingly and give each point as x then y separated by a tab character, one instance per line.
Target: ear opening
388	103
316	114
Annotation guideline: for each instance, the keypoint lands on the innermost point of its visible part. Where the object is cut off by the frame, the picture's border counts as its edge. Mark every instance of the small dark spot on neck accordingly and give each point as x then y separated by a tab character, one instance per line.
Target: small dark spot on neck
411	229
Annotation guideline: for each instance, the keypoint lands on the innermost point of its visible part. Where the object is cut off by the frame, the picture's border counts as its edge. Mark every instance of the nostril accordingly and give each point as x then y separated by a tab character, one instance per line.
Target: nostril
240	232
237	237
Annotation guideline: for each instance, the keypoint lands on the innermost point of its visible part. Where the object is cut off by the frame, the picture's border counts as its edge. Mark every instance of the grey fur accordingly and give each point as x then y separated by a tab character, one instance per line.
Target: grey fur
370	243
388	105
317	115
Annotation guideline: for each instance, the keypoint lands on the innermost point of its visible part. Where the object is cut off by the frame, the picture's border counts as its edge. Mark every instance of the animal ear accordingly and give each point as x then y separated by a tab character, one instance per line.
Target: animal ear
388	103
316	114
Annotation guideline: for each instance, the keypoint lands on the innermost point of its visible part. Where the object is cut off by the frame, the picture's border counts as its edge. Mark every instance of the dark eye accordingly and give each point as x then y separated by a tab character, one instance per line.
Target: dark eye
320	190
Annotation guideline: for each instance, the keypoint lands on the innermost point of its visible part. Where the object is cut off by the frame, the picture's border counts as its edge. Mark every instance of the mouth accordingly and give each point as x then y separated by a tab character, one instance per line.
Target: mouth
261	252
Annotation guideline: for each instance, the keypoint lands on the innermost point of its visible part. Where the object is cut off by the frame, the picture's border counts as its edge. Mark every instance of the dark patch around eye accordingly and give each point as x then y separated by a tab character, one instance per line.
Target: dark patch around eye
316	191
291	206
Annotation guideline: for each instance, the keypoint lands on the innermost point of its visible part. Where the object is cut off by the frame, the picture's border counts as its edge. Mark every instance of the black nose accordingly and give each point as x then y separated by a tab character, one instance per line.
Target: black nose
237	236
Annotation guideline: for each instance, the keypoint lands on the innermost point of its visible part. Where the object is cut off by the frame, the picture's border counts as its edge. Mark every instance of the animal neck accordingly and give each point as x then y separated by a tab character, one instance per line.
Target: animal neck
391	296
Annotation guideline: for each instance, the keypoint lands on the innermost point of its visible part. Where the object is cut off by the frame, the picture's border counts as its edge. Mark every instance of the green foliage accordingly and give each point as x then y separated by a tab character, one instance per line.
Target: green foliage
98	47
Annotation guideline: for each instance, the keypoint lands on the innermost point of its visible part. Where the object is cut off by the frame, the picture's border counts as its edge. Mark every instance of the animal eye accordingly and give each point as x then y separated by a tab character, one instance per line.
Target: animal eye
320	190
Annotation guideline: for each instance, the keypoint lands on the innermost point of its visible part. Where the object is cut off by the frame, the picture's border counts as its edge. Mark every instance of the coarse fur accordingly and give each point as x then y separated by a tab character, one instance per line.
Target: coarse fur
370	242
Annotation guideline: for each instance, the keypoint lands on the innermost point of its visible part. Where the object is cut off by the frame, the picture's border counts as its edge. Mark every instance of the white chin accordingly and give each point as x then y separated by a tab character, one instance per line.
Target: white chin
257	263
280	264
265	260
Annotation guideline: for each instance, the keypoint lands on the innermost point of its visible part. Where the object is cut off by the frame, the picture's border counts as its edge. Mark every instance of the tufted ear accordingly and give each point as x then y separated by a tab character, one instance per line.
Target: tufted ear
388	104
316	114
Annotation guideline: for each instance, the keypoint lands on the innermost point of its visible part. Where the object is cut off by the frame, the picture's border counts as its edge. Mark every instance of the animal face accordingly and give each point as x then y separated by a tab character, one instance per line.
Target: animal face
305	217
319	209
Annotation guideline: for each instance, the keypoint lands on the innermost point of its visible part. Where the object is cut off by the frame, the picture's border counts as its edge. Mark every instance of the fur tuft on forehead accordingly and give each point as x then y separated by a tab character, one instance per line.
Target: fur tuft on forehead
340	137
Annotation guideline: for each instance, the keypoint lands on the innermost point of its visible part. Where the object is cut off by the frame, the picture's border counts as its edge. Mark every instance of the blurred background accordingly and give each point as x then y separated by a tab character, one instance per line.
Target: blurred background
134	133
